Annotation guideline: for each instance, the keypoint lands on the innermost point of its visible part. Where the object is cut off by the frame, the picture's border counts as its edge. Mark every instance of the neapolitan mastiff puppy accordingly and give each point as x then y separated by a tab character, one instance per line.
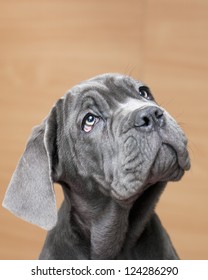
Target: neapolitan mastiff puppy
112	149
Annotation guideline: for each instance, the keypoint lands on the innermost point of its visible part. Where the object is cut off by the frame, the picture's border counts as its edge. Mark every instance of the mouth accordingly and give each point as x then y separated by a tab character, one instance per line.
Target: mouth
169	164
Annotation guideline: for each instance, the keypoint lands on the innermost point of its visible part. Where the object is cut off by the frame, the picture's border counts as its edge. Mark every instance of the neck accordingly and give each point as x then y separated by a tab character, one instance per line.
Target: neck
109	226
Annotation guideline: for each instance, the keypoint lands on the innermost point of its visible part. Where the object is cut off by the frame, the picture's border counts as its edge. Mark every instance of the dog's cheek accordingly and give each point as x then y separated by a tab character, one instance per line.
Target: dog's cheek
135	156
88	156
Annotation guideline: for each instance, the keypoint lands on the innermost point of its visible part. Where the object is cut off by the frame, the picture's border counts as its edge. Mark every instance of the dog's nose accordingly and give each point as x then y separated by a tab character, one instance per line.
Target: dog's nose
149	118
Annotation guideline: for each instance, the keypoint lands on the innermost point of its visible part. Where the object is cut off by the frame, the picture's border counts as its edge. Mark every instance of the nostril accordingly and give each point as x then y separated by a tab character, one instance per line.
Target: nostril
159	117
146	121
158	114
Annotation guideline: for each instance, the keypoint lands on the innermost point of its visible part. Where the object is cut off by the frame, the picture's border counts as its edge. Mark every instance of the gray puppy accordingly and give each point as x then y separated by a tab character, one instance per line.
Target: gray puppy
112	149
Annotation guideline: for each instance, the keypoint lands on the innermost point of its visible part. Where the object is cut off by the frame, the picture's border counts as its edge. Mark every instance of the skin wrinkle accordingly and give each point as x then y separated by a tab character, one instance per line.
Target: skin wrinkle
120	180
142	206
120	183
131	163
108	236
111	176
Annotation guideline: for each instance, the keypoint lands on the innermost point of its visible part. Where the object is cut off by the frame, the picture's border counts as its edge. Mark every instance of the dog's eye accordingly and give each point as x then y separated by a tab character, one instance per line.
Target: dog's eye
145	93
89	121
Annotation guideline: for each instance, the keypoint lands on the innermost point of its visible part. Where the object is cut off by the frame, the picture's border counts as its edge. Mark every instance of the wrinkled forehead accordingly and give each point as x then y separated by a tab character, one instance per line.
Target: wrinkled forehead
106	91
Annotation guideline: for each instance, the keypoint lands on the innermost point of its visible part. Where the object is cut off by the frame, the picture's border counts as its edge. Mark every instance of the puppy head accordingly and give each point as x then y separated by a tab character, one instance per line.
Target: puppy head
106	133
122	139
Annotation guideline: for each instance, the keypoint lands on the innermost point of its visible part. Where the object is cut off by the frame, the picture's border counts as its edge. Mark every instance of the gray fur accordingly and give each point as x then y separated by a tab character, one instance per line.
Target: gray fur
112	176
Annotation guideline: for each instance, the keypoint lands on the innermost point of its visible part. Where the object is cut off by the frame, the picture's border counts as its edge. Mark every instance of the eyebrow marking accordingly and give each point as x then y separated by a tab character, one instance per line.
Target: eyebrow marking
132	104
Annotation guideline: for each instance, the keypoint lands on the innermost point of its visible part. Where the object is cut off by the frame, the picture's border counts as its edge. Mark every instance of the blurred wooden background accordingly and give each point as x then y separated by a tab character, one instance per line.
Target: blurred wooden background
47	46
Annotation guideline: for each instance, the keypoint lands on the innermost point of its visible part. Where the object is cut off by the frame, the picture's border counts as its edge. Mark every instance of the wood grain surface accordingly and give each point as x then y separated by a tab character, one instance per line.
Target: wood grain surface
47	46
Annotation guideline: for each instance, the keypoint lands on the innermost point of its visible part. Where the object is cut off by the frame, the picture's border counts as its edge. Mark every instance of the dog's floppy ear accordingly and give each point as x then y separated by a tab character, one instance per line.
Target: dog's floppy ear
30	194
